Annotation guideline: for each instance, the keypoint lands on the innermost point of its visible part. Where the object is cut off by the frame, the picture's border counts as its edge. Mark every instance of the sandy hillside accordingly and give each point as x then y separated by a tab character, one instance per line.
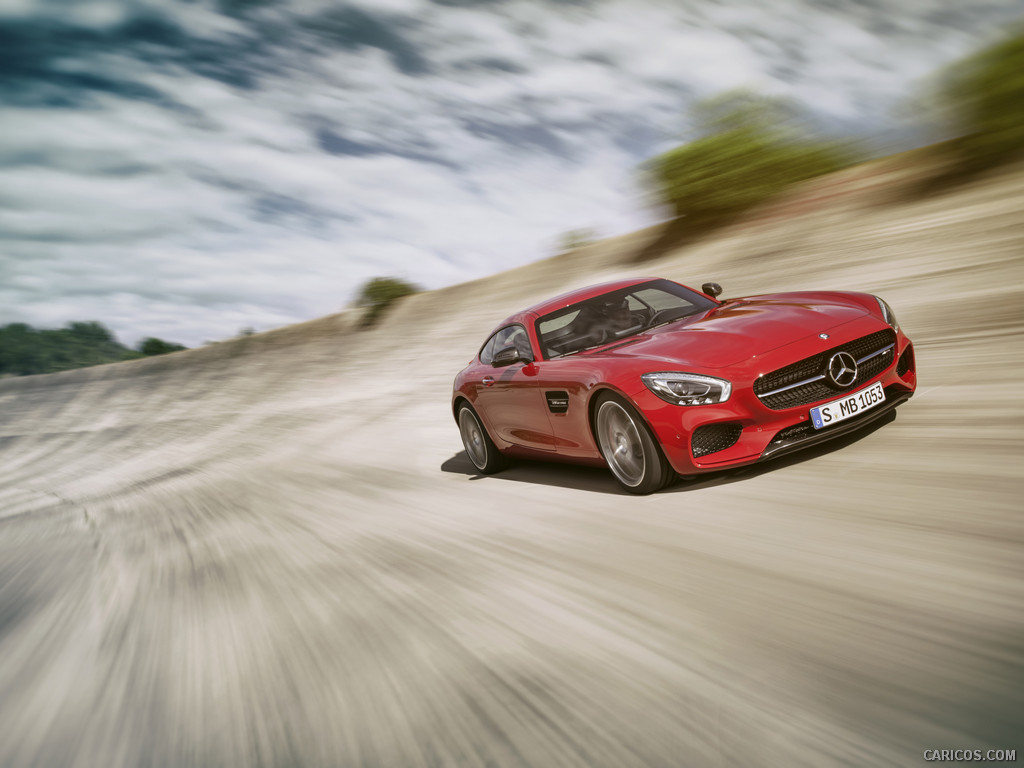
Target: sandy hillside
273	551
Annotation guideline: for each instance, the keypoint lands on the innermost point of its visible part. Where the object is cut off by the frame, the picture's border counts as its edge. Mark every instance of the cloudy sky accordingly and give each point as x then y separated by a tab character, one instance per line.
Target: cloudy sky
188	169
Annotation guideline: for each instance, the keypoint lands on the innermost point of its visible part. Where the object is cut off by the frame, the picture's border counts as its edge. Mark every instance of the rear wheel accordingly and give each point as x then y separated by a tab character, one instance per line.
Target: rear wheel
629	448
479	447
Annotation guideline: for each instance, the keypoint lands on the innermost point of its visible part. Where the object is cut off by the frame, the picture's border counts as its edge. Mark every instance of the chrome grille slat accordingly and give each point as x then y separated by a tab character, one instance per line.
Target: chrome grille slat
803	382
793	386
822	376
882	351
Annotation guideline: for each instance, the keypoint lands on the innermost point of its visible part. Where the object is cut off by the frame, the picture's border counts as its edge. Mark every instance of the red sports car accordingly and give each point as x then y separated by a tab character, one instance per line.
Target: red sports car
656	379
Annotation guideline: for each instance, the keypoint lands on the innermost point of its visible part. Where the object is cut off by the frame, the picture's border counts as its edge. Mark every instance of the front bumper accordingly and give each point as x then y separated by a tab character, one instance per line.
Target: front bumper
741	431
787	441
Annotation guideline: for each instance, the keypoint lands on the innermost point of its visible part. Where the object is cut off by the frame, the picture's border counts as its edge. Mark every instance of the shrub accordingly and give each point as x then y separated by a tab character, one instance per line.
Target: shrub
983	96
152	346
379	293
746	152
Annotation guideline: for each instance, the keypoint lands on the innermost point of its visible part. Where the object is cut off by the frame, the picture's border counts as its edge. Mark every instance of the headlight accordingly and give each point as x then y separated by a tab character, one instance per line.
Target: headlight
687	388
888	314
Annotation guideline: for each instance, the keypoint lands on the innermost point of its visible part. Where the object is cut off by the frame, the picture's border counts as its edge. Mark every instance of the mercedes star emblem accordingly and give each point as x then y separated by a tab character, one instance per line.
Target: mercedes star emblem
822	335
842	369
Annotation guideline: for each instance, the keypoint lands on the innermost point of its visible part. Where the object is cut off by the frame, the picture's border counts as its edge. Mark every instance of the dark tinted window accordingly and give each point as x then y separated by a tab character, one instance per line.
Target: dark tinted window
487	351
509	336
617	315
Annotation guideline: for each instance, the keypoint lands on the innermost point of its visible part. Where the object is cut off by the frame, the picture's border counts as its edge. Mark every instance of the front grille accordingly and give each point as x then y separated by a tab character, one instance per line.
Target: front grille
712	438
808	374
906	363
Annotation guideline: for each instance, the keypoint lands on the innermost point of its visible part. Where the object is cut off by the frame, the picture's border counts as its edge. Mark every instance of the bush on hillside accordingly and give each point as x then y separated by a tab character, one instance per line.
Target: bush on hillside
152	346
379	293
983	96
746	151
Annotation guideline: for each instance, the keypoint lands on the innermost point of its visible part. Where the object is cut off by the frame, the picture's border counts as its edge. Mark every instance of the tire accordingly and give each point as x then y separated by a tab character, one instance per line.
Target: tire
628	447
478	444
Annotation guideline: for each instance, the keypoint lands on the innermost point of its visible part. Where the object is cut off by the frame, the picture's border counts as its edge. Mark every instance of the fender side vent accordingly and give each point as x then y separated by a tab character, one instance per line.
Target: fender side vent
558	402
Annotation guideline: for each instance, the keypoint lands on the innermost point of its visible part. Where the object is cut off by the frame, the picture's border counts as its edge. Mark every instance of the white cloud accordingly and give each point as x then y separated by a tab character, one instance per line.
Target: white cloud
258	170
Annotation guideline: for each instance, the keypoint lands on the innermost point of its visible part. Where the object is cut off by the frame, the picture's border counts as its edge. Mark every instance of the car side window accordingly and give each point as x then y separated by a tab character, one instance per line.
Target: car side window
487	352
510	336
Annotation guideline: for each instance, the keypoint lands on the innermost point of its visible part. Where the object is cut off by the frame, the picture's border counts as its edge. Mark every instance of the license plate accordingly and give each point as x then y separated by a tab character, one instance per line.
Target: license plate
847	406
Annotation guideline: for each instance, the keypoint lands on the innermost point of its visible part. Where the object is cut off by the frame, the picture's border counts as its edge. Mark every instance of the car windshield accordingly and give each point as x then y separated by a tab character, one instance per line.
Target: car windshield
617	315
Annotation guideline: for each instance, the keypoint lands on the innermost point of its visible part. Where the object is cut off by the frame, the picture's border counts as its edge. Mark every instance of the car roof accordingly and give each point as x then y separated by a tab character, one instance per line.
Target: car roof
582	294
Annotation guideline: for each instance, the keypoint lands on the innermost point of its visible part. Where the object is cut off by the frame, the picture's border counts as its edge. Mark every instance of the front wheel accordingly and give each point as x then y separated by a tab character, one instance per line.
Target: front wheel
479	447
628	447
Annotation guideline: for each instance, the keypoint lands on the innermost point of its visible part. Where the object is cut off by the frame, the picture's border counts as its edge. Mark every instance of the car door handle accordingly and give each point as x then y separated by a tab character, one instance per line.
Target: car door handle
488	380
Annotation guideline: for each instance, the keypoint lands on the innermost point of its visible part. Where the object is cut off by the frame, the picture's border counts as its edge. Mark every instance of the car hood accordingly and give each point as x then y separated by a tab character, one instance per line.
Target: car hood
739	330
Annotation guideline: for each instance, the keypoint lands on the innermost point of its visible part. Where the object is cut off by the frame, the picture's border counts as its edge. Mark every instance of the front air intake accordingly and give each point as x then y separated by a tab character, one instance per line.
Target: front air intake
906	364
712	438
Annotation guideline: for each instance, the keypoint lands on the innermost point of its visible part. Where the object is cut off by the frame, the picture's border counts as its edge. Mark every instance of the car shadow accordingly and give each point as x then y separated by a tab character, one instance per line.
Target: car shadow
599	479
558	474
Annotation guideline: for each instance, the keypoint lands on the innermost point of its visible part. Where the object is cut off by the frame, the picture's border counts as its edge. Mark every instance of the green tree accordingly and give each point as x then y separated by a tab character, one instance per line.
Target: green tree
25	350
152	346
747	149
379	293
19	350
983	96
90	332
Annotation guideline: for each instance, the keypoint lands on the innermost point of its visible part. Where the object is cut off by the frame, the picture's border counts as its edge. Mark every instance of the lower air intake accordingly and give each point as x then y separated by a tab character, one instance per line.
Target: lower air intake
712	438
906	363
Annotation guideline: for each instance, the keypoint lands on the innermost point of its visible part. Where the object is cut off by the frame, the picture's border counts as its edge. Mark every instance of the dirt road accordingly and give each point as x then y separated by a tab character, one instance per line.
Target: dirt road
273	552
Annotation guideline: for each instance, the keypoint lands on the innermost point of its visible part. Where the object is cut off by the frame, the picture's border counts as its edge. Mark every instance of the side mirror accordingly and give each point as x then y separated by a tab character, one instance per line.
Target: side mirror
712	289
508	356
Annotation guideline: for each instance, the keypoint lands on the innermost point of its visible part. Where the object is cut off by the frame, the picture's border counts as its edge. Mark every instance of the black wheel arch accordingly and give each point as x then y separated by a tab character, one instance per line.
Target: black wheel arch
457	403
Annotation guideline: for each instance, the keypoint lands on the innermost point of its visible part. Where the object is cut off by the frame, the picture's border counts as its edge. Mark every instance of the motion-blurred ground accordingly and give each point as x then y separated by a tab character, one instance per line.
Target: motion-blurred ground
273	551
